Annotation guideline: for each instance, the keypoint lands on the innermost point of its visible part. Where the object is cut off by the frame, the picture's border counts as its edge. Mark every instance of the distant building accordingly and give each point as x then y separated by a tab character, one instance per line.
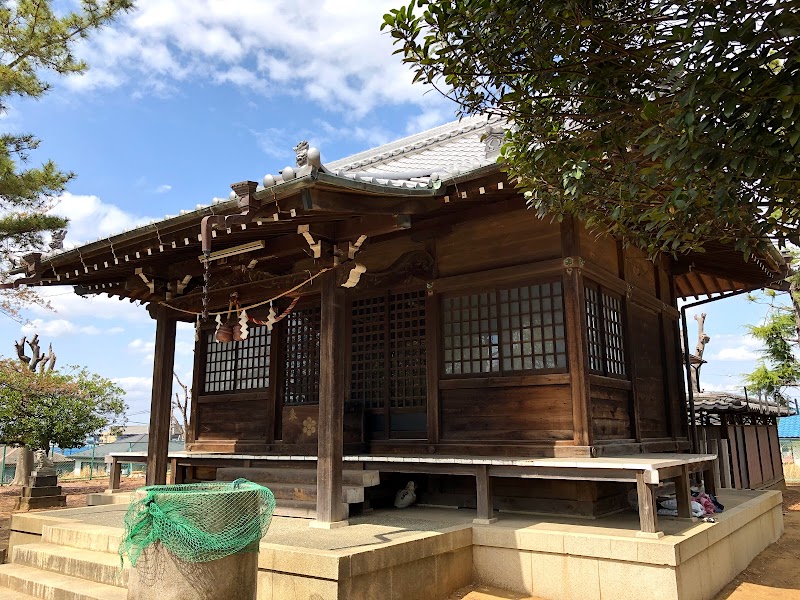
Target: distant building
131	430
63	464
96	457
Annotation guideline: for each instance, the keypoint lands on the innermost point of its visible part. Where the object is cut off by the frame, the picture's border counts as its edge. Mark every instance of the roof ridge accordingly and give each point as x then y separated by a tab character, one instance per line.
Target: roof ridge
417	141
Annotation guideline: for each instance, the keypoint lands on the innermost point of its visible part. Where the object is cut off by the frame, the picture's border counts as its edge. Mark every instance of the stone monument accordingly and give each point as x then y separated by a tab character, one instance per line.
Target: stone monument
42	490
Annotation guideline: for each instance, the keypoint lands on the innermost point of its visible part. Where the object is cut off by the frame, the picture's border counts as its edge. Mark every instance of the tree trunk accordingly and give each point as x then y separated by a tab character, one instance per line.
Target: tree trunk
794	294
24	466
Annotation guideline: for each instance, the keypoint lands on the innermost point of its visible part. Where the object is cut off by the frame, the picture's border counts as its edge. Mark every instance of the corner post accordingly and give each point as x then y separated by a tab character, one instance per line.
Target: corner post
161	400
330	445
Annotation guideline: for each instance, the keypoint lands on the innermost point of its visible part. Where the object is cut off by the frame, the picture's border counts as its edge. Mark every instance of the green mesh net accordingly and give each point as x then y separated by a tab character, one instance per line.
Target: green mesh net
198	522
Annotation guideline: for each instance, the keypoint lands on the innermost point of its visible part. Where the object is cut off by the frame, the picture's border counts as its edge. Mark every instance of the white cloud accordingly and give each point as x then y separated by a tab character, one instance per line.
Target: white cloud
90	218
733	348
329	51
163	188
68	305
60	327
721	387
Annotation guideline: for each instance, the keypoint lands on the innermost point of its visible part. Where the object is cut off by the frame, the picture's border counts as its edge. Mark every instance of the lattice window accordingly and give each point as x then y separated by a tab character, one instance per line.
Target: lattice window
614	337
236	366
532	328
388	350
407	374
593	329
301	351
471	342
606	339
503	331
368	368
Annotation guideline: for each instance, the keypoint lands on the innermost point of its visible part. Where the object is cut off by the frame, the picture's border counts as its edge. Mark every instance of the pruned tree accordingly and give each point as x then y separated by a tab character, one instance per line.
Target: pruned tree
181	404
42	407
702	340
42	362
669	125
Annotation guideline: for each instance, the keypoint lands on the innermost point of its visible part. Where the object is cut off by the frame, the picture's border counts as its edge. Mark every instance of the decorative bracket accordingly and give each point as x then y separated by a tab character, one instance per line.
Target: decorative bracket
150	283
314	245
573	262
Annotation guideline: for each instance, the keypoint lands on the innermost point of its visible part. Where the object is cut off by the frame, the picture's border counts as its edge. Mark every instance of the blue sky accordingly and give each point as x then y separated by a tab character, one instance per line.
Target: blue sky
187	96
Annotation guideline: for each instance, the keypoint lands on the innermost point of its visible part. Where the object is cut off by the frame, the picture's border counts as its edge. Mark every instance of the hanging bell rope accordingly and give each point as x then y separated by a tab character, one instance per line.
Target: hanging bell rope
206	313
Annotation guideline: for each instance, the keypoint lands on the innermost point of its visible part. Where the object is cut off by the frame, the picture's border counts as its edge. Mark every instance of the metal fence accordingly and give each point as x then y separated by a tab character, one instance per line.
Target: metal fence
790	456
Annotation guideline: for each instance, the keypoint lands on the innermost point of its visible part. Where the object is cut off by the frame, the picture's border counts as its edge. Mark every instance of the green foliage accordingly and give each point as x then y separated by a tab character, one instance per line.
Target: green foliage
669	125
55	407
35	43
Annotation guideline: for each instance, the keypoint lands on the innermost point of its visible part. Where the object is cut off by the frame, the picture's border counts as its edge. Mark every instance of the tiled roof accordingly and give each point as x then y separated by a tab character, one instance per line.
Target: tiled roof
719	402
789	427
450	149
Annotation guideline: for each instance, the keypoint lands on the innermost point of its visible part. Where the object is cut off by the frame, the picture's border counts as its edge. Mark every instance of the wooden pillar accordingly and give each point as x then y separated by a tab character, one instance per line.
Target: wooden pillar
432	365
330	445
683	494
485	504
648	517
114	474
161	400
575	316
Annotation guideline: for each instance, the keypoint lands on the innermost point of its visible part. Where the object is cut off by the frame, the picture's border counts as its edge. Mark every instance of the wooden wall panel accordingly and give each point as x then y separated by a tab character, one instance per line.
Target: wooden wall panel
512	238
507	414
775	449
765	454
645	350
225	419
381	255
609	413
640	270
599	249
753	457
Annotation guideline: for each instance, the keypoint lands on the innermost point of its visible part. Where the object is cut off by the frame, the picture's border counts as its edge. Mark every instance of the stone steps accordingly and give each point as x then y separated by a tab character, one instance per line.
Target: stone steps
264	476
301	509
9	594
100	567
84	536
48	585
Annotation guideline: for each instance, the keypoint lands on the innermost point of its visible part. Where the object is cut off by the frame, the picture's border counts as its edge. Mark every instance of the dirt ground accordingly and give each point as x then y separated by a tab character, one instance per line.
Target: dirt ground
773	575
74	490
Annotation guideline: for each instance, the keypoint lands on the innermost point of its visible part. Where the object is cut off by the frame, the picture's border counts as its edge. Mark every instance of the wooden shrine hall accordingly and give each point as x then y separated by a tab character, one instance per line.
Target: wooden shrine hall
402	311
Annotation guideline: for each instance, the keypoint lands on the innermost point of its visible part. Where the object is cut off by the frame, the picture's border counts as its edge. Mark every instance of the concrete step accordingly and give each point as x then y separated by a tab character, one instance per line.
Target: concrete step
56	586
97	538
307	492
101	567
9	594
301	509
104	498
352	477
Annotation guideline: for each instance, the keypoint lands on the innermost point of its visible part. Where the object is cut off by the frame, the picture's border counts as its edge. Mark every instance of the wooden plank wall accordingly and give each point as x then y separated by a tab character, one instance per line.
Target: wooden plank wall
646	350
502	240
507	414
610	413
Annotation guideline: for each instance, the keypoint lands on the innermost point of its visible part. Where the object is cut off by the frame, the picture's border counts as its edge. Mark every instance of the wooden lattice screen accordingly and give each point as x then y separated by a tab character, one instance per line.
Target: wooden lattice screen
393	370
236	366
506	330
605	332
301	356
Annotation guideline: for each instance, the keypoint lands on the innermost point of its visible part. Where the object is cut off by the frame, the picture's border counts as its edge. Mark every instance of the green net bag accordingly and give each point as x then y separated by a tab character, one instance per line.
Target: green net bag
198	522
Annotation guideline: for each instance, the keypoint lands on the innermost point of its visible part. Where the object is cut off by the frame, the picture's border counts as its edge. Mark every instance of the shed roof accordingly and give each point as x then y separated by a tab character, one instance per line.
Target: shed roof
131	444
12	455
789	427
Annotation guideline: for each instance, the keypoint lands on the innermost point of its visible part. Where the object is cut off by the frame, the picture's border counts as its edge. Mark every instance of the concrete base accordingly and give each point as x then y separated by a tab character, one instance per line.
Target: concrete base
326	525
26	503
424	554
484	521
158	575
